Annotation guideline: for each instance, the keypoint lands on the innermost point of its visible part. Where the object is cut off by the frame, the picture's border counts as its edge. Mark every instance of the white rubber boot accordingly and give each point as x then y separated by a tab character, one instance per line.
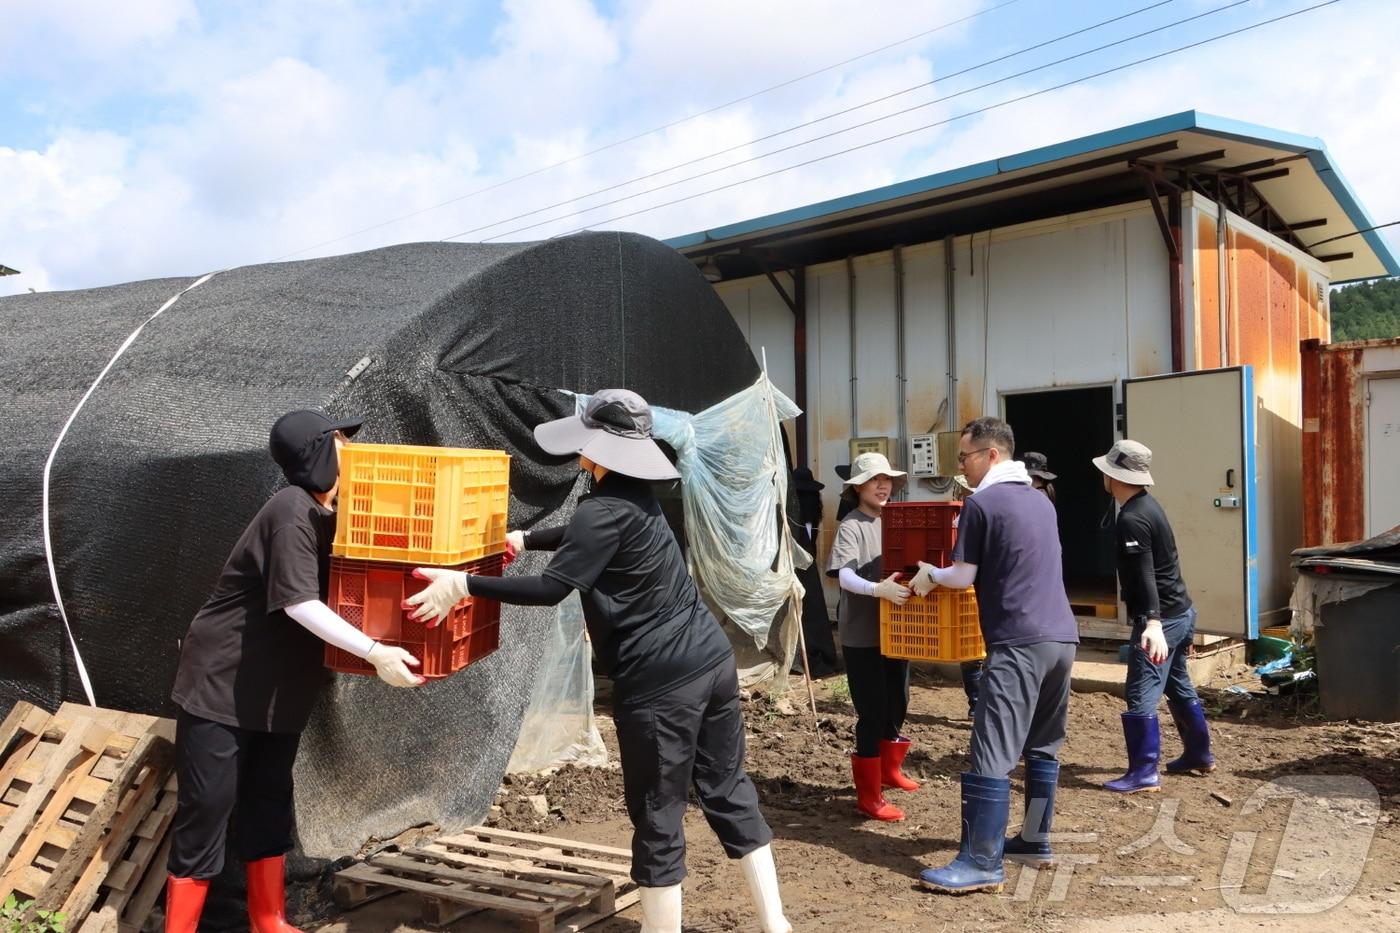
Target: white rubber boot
661	909
762	878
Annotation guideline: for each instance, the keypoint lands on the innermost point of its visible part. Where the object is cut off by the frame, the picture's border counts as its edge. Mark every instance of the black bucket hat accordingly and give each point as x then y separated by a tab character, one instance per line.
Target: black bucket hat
303	444
803	481
1037	464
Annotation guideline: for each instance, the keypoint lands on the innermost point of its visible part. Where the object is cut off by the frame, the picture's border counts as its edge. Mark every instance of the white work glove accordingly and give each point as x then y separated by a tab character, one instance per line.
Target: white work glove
1153	642
445	589
515	540
892	591
923	582
392	663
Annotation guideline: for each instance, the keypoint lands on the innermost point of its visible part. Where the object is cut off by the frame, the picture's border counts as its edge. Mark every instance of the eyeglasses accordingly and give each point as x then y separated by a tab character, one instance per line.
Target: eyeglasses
962	457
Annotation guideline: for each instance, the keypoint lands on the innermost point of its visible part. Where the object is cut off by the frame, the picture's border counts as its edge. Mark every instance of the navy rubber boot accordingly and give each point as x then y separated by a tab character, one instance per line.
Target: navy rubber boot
1190	719
972	686
1031	846
977	866
1143	736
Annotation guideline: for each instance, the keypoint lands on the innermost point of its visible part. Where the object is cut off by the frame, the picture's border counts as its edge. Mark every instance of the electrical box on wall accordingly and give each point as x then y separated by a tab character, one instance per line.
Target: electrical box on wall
863	445
923	456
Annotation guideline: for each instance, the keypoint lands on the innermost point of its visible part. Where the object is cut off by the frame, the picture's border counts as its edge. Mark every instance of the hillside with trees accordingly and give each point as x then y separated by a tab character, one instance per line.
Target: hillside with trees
1366	311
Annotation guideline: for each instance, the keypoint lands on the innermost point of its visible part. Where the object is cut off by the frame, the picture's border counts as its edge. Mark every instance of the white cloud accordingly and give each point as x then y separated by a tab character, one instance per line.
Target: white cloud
289	127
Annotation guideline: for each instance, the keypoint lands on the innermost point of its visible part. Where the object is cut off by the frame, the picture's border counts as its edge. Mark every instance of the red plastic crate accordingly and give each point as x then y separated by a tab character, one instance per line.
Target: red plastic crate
915	531
370	594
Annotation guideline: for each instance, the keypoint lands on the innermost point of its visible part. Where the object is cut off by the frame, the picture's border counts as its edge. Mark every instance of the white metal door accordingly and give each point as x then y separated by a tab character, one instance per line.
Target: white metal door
1200	427
1382	454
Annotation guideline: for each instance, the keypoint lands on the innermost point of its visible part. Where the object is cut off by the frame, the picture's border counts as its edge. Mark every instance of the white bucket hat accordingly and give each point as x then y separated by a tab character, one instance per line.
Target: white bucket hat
1128	462
870	465
614	431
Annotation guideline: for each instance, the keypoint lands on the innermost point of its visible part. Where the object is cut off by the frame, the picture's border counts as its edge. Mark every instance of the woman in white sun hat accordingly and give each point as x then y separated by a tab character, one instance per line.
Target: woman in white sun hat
879	685
675	687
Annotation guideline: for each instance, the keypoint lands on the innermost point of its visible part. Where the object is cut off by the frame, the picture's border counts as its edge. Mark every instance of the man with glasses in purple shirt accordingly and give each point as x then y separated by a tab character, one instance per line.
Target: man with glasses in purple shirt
1009	546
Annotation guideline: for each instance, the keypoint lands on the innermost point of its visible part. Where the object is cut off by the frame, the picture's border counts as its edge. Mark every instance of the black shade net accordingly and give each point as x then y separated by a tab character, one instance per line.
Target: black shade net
466	346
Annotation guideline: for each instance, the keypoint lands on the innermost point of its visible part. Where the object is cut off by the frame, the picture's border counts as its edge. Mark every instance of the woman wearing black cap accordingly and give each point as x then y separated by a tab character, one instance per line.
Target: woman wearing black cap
676	690
250	668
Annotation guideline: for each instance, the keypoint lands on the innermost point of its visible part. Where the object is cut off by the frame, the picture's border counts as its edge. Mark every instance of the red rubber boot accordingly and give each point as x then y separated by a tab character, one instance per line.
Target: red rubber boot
267	896
184	903
892	761
869	799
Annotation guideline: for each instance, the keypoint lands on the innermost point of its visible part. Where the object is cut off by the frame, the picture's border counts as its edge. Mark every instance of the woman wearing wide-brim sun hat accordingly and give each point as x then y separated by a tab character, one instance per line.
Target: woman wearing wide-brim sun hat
675	687
879	685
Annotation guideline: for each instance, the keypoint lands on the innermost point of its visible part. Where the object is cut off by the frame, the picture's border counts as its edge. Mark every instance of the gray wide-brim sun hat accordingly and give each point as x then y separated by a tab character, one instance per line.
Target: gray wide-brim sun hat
614	431
1128	462
870	465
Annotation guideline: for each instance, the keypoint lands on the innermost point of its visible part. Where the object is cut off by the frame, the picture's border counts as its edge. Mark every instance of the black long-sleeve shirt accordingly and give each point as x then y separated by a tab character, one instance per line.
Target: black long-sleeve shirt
648	624
1149	570
527	591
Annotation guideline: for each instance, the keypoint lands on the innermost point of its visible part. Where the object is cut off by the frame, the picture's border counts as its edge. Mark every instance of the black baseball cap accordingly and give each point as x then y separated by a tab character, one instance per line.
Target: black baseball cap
303	445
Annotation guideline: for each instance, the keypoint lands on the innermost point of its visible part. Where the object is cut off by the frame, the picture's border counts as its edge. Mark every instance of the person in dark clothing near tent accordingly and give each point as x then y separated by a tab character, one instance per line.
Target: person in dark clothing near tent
1164	621
249	671
676	689
816	624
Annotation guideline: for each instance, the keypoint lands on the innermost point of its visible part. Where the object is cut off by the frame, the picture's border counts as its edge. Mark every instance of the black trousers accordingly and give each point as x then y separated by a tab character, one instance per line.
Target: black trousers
690	736
226	771
880	693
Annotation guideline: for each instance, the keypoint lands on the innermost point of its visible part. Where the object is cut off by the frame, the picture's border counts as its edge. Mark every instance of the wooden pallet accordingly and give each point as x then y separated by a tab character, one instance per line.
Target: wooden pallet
136	879
544	883
75	787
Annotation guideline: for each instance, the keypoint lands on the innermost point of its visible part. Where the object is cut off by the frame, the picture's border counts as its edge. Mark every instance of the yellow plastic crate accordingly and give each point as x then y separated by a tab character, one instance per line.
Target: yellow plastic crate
1278	631
421	505
942	626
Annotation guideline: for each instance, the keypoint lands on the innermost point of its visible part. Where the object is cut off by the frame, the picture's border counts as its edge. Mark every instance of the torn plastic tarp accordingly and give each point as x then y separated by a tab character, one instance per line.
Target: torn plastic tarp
734	489
559	727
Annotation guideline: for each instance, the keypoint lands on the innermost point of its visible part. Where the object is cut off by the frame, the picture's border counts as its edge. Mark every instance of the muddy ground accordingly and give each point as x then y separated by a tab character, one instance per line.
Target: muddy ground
840	872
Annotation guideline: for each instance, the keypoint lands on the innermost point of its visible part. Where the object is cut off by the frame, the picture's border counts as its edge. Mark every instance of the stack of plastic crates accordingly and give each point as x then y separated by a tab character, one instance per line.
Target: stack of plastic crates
404	507
917	531
944	625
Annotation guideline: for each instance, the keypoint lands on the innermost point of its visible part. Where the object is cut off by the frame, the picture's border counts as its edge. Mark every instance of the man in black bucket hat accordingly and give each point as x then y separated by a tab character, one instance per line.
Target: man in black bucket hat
676	690
250	668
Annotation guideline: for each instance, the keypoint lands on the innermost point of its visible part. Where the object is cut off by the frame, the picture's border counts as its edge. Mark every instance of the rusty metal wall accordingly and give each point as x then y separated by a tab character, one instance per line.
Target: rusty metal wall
1275	296
1334	435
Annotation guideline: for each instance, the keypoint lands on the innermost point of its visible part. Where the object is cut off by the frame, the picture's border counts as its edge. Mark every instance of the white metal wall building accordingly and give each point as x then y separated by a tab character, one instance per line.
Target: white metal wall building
1071	271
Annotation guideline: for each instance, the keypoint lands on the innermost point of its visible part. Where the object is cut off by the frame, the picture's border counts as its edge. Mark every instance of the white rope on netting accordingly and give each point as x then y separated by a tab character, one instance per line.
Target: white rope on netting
48	469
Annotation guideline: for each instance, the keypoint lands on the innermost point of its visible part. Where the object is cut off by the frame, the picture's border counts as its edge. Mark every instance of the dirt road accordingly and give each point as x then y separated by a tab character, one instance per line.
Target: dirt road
1149	861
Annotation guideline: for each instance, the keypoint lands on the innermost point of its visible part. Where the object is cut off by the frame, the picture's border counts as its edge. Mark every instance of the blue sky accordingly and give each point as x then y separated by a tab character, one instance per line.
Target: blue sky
168	137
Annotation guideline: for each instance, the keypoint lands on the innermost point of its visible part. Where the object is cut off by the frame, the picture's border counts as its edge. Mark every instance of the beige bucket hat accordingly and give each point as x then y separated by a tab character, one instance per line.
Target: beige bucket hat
870	465
1128	462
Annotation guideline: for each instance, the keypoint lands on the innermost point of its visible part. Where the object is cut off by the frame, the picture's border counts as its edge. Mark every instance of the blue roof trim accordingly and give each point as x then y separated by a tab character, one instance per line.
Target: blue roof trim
1322	161
1223	127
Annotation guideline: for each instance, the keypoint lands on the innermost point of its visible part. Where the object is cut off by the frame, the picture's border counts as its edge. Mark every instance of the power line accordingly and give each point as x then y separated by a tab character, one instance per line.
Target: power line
824	136
1333	239
830	116
657	129
961	116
